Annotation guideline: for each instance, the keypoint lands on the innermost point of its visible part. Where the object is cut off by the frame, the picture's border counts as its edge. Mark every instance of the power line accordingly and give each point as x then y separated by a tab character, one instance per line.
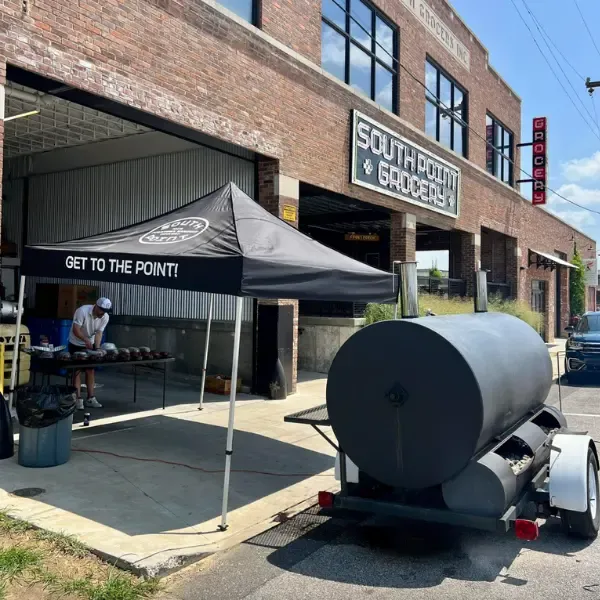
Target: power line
586	26
553	71
593	100
540	26
460	120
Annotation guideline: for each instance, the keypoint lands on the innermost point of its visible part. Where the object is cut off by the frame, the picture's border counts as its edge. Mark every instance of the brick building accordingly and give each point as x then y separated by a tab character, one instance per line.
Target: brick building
378	127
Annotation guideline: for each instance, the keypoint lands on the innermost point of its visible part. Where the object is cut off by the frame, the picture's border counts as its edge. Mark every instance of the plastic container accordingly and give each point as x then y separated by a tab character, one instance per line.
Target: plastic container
47	446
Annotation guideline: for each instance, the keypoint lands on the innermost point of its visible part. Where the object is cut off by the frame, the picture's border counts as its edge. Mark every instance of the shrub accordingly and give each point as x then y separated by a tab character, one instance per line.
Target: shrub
577	285
453	306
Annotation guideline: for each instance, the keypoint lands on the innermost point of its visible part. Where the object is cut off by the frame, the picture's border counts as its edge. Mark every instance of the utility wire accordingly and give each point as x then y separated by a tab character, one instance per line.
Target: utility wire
586	26
460	120
593	100
545	37
540	26
554	72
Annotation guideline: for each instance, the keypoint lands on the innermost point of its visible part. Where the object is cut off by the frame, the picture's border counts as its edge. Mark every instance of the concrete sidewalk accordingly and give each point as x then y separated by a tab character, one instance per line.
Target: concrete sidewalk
144	488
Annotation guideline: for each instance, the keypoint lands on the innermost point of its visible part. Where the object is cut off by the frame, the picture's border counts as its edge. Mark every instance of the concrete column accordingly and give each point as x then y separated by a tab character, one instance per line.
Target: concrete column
403	237
468	259
280	195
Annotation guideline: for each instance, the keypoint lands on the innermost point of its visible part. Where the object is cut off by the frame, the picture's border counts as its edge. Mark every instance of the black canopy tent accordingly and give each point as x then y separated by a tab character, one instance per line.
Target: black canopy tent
223	243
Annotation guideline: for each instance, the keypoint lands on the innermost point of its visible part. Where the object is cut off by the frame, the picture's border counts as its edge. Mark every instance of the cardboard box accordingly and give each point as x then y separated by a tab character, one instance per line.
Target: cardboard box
59	301
219	384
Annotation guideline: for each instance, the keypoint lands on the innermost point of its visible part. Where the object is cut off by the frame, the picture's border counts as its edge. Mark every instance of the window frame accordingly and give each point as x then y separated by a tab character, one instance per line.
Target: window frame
440	71
256	12
499	150
372	52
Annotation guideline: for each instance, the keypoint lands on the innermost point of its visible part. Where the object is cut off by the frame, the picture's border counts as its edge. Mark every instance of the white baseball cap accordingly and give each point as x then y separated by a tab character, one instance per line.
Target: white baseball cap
104	303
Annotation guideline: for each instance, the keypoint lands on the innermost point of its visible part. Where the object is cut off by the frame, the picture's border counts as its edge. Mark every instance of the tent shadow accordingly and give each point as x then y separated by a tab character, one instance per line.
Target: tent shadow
160	474
395	554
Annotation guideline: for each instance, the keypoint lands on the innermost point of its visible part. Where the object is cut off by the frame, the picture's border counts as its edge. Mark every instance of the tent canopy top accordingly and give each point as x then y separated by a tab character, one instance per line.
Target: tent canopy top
223	243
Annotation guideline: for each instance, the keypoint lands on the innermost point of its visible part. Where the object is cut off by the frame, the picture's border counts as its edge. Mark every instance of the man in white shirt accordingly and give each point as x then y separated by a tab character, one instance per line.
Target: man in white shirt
89	323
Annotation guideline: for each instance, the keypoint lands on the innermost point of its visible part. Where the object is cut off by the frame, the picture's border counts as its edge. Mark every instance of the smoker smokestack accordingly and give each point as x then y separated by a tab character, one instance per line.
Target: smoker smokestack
409	290
481	296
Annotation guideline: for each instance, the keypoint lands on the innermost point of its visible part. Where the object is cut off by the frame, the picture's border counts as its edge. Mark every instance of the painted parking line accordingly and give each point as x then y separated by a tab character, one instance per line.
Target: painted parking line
580	415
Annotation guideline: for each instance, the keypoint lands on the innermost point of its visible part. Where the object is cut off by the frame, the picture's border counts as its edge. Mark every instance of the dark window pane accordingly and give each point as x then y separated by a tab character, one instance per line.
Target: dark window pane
384	36
333	52
334	13
430	119
384	87
498	166
445	127
508	140
242	8
361	24
360	70
431	81
458	138
445	90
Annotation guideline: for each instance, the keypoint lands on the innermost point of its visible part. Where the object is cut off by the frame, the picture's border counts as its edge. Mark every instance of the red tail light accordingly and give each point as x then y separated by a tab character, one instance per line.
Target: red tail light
526	530
325	499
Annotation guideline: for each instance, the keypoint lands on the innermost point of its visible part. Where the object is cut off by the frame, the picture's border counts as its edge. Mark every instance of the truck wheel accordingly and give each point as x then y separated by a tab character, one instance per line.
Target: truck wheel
586	524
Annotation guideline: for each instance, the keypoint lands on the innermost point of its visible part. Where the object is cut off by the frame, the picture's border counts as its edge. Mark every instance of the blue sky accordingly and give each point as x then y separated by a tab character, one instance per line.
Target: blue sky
574	150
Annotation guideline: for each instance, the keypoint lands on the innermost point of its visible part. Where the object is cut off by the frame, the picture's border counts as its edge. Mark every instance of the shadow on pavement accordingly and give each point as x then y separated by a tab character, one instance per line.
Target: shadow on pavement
394	554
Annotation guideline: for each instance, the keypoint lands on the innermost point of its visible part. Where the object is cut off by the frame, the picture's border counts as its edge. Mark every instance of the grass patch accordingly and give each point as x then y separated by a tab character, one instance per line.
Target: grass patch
42	565
118	586
16	561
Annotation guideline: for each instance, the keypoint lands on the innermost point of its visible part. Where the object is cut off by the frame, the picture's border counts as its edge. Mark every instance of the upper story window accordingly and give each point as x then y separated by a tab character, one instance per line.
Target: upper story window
358	46
445	110
246	9
500	154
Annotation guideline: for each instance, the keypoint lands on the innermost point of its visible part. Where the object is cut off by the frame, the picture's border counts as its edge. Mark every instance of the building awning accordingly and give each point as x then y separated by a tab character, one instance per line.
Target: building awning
547	261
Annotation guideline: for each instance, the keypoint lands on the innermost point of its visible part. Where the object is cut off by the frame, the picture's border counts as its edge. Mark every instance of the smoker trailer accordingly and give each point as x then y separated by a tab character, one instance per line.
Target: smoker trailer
442	419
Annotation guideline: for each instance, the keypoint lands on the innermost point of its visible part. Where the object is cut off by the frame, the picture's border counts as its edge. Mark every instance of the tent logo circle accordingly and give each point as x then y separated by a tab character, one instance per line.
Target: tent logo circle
175	232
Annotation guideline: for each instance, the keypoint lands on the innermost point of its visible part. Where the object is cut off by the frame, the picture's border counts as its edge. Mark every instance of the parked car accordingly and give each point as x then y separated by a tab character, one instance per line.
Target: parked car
583	347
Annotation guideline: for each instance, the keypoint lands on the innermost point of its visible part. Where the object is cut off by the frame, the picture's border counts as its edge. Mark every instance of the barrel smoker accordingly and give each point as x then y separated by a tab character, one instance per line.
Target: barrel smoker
443	419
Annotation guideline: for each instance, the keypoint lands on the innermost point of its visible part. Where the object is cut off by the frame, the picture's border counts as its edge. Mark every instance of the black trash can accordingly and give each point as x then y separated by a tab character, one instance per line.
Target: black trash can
46	420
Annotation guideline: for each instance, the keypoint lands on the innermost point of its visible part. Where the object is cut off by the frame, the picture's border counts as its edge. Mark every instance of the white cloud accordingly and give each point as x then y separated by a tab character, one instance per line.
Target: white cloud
582	168
576	193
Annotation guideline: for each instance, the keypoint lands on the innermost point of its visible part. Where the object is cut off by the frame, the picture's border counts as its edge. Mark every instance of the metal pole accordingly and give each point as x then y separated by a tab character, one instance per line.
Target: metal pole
409	290
396	262
234	373
206	343
559	384
17	346
481	297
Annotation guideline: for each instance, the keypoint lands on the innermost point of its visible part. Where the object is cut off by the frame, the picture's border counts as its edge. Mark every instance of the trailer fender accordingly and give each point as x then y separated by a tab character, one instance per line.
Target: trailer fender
567	485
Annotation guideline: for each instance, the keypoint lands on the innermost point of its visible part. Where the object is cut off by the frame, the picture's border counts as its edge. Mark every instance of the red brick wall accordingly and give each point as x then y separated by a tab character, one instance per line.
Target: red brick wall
189	63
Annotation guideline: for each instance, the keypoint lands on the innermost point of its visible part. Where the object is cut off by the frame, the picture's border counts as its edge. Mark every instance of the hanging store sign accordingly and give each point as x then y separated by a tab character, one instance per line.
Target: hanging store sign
540	160
439	30
591	272
387	163
361	237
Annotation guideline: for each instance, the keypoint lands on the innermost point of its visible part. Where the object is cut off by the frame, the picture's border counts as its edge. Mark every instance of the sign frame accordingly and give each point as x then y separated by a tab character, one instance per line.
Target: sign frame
356	114
539	150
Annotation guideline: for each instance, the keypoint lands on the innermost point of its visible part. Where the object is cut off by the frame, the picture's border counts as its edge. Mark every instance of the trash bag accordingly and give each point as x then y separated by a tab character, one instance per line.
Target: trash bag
42	406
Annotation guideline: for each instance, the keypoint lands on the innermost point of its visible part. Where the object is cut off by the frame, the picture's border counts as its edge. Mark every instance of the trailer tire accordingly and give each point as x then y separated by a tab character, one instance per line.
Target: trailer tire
585	524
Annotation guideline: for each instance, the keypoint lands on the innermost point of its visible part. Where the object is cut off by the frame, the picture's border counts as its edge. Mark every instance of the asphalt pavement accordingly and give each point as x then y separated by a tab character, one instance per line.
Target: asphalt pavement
312	556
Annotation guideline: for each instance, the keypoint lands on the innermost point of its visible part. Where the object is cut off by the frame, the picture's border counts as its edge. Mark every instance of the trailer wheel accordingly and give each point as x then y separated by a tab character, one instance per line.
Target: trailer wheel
585	524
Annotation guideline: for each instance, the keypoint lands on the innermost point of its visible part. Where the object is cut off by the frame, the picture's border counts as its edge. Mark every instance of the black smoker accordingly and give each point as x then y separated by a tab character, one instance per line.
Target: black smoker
443	416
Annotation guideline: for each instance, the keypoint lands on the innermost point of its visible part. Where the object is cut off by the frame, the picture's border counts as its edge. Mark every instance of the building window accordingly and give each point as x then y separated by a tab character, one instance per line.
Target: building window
445	110
500	150
245	9
358	46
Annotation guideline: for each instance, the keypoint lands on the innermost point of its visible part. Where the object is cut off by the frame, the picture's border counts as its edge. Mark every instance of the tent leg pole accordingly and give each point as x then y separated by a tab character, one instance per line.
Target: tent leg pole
17	346
234	375
206	344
